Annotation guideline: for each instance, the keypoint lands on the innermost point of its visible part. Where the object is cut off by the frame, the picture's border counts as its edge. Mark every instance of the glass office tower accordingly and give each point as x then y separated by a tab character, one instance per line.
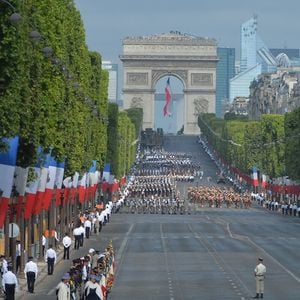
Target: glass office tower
113	80
225	71
256	58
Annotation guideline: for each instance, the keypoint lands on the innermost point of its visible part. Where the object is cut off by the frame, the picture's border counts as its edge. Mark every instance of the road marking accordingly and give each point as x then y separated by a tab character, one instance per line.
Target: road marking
51	291
124	242
246	238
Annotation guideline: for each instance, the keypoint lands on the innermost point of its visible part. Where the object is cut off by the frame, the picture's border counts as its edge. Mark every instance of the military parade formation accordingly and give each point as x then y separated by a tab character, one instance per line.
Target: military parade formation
152	188
219	197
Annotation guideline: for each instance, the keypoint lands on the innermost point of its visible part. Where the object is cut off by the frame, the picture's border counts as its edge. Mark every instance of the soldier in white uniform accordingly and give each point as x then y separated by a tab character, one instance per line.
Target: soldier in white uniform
259	273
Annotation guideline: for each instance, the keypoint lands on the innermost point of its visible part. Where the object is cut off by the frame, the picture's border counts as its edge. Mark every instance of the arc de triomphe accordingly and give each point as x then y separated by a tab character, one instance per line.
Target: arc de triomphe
191	59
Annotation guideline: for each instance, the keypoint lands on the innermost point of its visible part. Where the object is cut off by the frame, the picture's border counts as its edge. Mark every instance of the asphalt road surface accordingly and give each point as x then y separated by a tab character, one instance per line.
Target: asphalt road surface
209	254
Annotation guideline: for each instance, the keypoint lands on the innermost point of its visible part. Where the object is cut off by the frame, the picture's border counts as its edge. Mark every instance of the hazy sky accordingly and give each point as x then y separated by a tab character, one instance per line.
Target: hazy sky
108	22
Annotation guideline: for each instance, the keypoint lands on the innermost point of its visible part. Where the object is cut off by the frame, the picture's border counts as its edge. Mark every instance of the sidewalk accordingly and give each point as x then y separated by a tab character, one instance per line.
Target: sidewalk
43	272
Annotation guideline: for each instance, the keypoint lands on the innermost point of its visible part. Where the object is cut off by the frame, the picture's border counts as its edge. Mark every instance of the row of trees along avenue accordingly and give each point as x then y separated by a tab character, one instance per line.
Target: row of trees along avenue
272	144
54	97
57	102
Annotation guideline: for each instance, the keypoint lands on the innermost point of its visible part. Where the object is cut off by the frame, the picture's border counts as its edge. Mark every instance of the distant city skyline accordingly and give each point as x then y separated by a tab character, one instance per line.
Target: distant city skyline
107	23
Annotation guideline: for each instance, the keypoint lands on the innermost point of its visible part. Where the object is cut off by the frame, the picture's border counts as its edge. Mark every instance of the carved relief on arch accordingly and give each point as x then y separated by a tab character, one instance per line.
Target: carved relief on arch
136	102
181	74
200	105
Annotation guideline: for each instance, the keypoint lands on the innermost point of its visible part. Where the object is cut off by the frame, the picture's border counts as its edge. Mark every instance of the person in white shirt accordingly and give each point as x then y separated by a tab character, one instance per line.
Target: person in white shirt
100	220
84	270
50	259
18	256
259	273
44	240
67	244
82	233
31	272
3	264
77	236
87	226
9	284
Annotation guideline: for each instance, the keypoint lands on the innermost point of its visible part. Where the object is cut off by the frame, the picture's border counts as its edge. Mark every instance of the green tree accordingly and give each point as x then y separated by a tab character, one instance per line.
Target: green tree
292	145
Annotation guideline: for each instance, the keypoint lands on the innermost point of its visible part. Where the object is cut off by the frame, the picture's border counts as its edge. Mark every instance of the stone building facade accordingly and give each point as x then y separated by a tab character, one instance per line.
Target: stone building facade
275	93
191	59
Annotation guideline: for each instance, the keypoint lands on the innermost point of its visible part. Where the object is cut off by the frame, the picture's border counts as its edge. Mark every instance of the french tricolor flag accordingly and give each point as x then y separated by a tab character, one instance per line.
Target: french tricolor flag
74	187
106	172
7	169
92	181
59	176
50	183
168	96
44	177
67	183
20	181
33	179
254	176
264	179
82	187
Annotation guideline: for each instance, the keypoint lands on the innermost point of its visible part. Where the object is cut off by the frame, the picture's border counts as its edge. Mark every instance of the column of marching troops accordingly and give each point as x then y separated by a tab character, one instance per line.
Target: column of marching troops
153	188
154	195
218	197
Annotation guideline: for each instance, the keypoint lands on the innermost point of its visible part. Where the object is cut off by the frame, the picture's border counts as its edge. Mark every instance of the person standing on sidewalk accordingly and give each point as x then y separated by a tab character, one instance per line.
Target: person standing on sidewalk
92	289
3	264
77	236
9	284
63	288
50	259
44	240
18	256
82	234
67	245
87	227
30	271
259	272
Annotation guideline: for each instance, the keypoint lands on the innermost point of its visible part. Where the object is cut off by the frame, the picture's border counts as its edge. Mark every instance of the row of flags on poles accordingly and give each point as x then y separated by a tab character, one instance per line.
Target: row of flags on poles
33	188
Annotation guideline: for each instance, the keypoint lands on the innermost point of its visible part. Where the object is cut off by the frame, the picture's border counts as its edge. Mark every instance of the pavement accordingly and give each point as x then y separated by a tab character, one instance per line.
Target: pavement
96	241
43	272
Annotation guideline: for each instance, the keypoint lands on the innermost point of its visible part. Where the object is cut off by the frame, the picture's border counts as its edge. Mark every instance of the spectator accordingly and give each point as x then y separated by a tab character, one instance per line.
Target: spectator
9	284
31	272
67	244
50	259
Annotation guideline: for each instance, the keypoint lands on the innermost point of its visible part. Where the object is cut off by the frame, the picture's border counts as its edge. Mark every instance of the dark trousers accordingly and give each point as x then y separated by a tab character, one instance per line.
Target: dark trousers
87	232
10	291
81	240
43	250
30	281
100	226
50	262
77	242
18	263
66	252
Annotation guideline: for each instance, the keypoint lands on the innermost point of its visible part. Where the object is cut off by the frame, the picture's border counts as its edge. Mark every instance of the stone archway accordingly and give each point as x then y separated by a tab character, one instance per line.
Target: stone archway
190	59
